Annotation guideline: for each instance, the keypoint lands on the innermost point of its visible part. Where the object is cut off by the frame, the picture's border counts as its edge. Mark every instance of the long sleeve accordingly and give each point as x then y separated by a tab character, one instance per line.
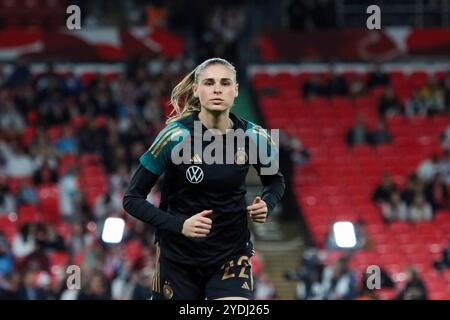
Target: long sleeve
273	189
267	165
135	203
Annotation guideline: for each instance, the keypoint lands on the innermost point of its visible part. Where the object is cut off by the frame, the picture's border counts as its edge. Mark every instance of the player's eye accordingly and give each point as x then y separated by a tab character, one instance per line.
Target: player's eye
226	82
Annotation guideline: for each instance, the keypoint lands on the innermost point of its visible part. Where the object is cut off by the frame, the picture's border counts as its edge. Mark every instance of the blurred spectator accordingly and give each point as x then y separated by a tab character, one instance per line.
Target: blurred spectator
11	120
356	88
389	104
107	204
444	166
383	191
420	210
9	284
291	153
444	139
72	84
28	289
359	133
68	191
264	289
24	242
308	275
123	284
336	85
414	288
119	179
413	186
446	88
37	260
378	77
26	193
18	163
67	143
338	281
143	288
90	139
416	105
437	193
7	200
428	168
381	135
49	239
444	261
362	241
20	75
95	288
45	160
80	239
6	257
395	209
434	97
313	87
45	175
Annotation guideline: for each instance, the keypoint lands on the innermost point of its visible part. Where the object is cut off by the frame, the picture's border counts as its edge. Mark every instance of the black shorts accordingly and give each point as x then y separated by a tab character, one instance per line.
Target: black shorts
178	281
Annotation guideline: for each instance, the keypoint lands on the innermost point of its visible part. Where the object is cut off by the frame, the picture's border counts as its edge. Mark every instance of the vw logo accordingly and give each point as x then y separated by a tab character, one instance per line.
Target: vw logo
194	174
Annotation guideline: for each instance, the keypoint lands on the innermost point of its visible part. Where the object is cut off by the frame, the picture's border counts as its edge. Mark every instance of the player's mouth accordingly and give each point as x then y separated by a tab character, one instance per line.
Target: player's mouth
217	101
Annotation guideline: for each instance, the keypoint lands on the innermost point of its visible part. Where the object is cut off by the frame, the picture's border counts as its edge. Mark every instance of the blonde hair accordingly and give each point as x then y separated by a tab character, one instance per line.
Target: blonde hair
182	98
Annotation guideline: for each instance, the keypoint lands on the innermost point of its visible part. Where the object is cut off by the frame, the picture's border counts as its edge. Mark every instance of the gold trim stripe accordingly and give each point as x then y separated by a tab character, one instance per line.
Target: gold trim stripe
251	278
160	140
156	285
166	142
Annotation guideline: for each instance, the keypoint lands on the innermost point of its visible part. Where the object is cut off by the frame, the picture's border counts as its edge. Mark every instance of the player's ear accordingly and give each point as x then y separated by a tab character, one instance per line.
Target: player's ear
194	91
237	91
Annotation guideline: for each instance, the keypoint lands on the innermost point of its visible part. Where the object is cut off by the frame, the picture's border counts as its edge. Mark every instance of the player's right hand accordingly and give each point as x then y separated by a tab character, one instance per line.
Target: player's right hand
198	226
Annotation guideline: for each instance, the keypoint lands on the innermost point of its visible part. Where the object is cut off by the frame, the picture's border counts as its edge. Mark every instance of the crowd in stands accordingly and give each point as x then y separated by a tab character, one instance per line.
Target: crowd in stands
426	191
321	278
360	133
63	132
426	99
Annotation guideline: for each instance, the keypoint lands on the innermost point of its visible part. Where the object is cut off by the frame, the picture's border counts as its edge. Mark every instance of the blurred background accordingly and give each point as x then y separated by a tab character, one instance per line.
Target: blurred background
364	116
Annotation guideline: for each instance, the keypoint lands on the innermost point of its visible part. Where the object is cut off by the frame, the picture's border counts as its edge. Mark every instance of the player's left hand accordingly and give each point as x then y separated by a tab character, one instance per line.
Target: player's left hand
258	210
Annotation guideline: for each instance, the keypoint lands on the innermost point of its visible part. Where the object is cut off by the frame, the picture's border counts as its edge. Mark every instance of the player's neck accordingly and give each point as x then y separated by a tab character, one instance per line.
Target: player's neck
220	122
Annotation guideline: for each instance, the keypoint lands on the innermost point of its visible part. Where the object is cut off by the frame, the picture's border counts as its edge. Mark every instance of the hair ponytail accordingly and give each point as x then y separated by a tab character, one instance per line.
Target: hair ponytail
182	98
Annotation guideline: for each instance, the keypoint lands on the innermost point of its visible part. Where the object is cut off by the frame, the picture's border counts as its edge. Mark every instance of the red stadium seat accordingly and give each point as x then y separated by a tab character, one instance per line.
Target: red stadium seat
49	203
28	214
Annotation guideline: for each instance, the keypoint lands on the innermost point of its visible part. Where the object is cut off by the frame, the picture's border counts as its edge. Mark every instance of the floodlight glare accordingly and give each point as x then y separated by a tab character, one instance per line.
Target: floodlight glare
344	234
113	230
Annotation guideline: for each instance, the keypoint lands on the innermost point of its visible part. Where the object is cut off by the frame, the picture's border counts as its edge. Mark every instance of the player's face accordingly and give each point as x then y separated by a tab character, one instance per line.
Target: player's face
216	88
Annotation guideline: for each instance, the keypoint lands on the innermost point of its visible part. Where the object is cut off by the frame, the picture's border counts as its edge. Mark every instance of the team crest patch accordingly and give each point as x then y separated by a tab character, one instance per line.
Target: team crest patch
240	157
167	290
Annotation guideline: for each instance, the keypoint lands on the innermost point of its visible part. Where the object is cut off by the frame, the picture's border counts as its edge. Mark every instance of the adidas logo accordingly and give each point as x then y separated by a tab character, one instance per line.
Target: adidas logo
196	159
245	286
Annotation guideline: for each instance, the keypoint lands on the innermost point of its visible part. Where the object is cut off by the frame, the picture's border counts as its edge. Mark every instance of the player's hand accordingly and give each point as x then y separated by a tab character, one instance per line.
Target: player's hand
198	226
258	210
